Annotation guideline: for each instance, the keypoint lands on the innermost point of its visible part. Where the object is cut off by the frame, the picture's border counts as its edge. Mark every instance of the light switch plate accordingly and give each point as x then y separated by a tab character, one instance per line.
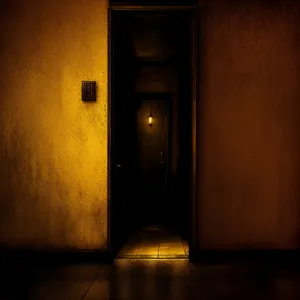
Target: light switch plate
89	90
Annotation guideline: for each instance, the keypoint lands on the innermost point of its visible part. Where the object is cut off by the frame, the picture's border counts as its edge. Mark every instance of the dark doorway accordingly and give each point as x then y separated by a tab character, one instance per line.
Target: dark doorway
152	159
151	122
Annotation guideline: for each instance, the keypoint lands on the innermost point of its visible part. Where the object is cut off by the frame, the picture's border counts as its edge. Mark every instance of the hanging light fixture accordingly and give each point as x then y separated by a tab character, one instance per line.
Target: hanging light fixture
150	119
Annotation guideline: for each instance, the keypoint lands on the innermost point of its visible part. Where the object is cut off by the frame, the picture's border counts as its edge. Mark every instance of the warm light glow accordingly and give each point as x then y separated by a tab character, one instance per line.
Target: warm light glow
64	189
150	120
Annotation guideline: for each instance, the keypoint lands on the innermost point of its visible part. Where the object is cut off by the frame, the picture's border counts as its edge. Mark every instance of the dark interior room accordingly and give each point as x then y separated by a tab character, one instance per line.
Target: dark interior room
149	149
151	98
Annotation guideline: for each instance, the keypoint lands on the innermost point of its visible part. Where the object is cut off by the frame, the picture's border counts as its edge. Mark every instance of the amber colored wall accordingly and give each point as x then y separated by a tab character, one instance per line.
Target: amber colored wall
53	149
248	126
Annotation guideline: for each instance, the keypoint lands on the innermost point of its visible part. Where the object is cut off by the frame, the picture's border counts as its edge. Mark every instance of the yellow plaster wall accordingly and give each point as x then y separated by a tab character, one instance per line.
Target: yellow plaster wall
53	149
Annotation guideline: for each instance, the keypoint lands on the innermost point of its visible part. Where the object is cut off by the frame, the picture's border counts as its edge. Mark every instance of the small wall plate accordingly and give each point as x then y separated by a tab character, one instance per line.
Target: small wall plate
89	90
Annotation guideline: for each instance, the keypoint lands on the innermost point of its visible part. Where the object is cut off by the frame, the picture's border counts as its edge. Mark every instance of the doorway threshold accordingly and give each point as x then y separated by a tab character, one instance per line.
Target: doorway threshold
155	242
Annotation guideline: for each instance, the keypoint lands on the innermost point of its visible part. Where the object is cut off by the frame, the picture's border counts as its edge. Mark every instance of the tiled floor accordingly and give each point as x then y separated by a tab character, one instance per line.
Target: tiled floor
177	279
139	279
159	278
155	242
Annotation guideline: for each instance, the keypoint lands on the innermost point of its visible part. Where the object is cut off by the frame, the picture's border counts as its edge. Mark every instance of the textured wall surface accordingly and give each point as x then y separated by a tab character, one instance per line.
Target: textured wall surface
53	149
248	187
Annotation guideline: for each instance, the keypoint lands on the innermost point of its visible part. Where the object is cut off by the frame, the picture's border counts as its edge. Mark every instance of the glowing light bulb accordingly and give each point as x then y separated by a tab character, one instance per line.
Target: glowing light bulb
150	120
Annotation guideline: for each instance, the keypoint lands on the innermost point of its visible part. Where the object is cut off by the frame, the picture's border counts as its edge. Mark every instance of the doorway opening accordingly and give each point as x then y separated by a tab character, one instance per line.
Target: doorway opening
151	132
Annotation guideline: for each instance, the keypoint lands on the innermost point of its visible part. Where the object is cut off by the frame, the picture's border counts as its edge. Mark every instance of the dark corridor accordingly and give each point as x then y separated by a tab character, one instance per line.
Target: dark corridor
151	94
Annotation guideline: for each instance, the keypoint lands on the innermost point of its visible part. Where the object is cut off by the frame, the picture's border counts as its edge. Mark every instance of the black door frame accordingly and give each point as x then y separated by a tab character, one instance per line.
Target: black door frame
193	245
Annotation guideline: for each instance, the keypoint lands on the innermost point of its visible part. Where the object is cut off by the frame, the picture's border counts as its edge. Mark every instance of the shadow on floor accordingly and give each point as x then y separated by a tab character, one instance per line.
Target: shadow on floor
159	278
137	279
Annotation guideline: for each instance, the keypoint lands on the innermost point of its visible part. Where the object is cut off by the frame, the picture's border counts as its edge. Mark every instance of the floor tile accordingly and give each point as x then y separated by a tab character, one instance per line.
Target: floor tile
65	283
149	279
178	279
129	250
168	244
145	243
60	282
151	250
171	250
